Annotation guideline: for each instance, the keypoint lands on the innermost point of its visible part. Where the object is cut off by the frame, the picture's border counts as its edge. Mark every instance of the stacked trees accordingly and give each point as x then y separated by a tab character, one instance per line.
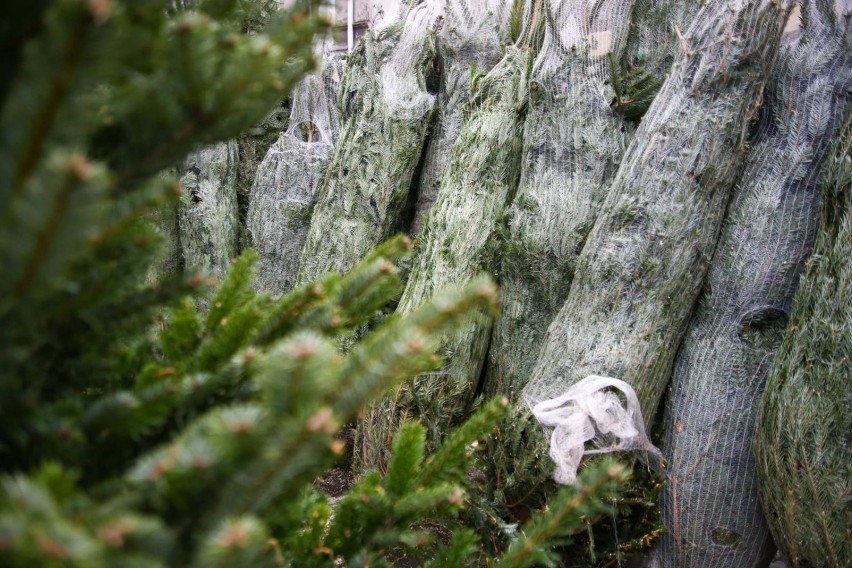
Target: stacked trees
643	263
284	192
194	444
801	438
387	104
469	43
479	181
574	137
709	505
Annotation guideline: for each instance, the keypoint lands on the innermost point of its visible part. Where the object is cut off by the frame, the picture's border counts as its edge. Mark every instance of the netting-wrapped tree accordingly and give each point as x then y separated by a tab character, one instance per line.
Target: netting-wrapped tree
469	42
642	266
655	37
573	142
208	213
282	198
479	180
802	435
387	103
710	504
576	131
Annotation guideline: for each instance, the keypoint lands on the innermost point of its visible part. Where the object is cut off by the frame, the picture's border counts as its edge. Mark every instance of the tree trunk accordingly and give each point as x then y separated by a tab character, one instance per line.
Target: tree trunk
709	505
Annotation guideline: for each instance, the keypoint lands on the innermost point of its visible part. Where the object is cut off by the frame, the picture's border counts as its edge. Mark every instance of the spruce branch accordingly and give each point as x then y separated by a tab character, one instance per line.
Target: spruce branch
564	514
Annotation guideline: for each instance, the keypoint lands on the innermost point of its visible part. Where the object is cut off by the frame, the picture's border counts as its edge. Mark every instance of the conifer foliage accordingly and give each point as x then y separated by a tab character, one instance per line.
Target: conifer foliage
140	430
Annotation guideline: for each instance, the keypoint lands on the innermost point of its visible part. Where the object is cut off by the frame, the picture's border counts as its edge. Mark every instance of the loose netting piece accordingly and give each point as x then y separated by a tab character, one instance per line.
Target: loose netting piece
572	144
642	266
387	103
207	217
284	193
470	41
480	177
802	436
591	412
710	505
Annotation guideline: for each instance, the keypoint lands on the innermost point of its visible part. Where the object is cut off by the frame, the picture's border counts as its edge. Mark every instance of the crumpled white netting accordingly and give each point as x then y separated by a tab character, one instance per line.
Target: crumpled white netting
287	182
590	412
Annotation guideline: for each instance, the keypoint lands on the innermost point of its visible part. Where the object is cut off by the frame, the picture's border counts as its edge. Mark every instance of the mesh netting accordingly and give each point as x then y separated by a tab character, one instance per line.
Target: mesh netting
478	181
802	435
641	269
470	41
282	198
710	506
656	28
592	412
573	142
387	106
208	213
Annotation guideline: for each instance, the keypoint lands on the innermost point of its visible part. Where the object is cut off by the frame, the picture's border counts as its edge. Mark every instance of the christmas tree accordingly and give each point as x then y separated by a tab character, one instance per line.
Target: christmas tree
142	430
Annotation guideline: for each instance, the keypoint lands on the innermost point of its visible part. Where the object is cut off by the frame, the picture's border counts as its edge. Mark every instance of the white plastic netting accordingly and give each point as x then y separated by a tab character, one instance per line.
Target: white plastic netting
401	76
470	41
285	188
573	143
591	412
642	266
710	505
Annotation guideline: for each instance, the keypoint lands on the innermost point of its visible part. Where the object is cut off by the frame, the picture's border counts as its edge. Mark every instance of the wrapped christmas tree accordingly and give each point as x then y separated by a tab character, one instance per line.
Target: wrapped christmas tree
207	216
709	505
479	181
387	101
196	443
802	430
284	192
582	118
470	42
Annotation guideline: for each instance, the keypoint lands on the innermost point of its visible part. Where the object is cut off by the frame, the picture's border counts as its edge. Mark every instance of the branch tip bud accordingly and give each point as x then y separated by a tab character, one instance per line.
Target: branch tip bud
487	291
303	350
235	537
80	167
338	447
323	421
99	10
